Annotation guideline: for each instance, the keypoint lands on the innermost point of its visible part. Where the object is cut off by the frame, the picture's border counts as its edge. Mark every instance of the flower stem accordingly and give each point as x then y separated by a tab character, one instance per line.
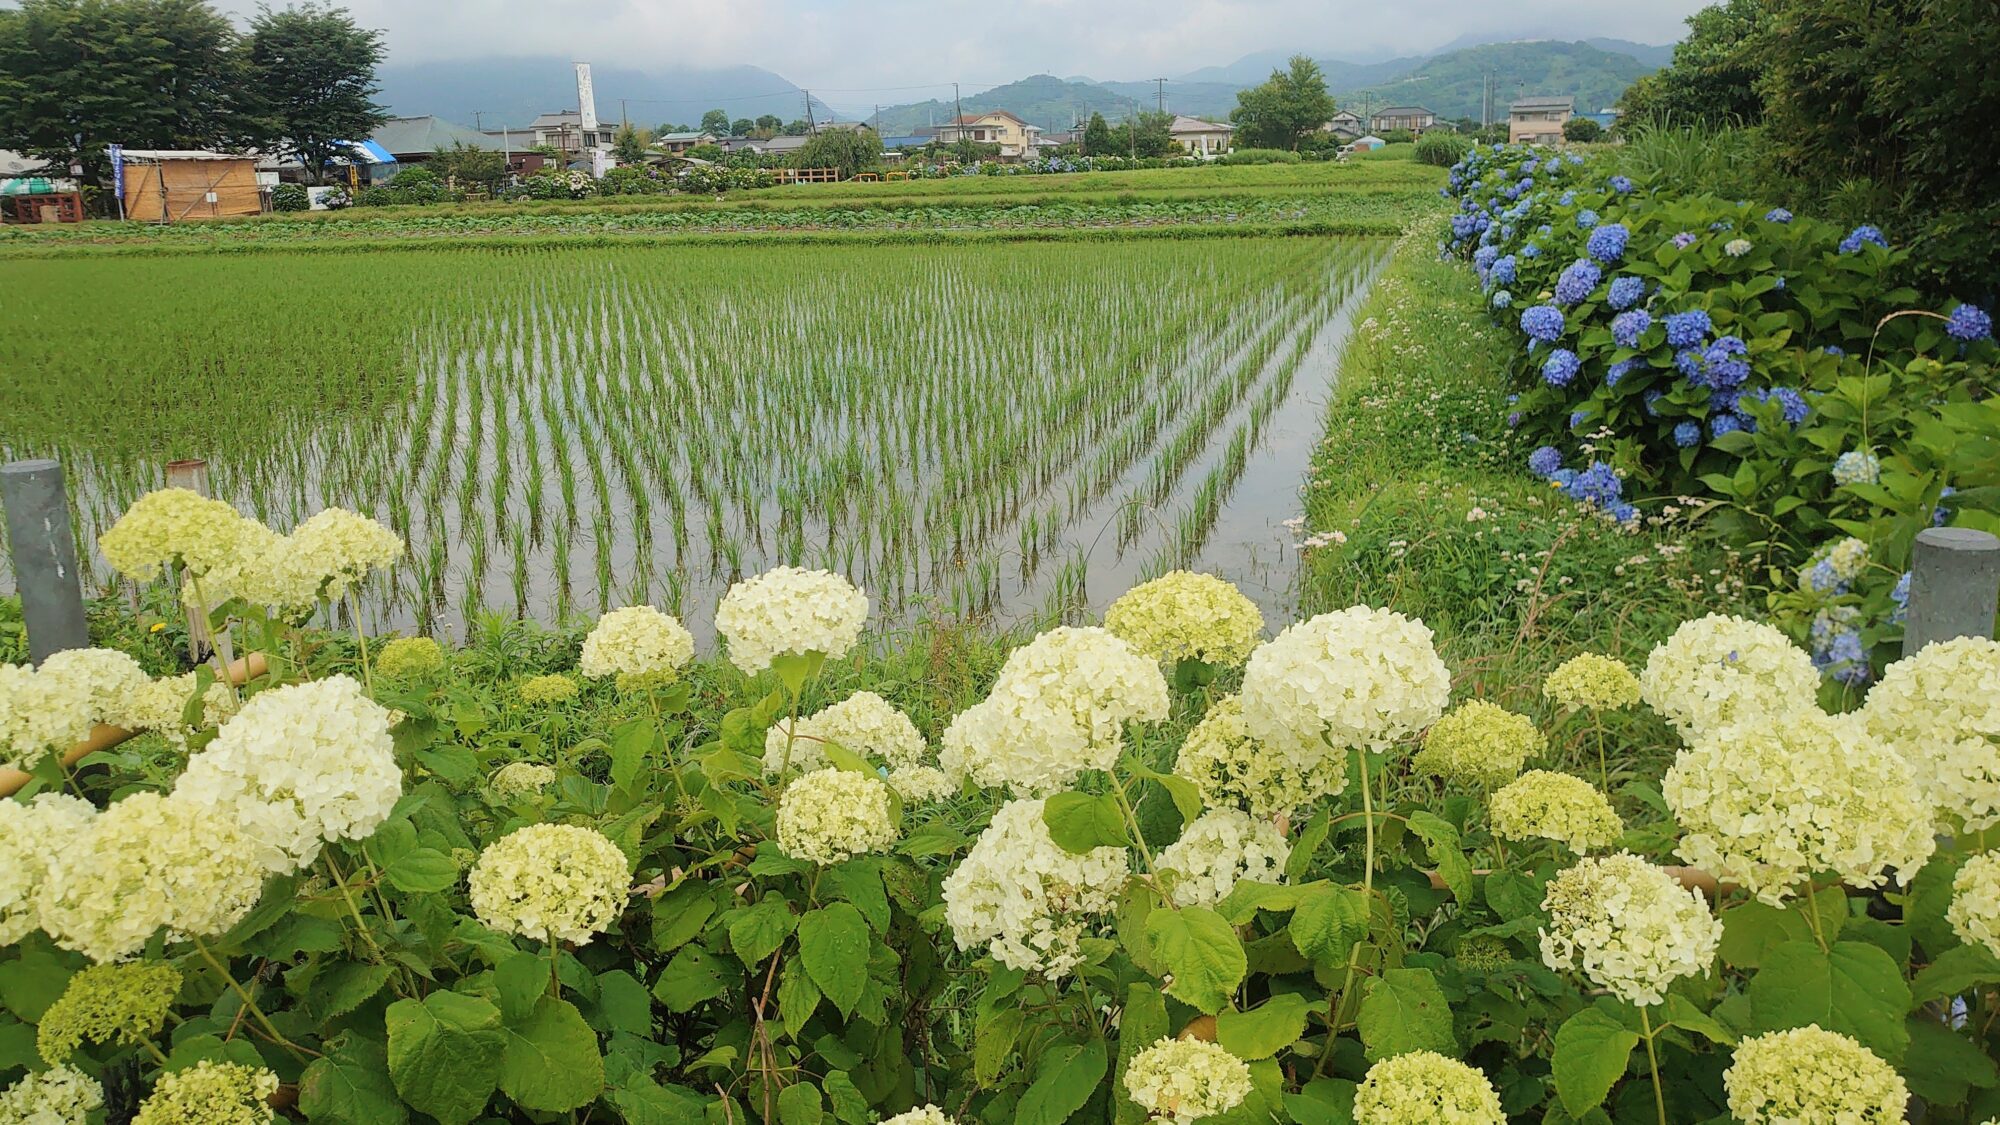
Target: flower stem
249	1002
361	641
1653	1067
1131	819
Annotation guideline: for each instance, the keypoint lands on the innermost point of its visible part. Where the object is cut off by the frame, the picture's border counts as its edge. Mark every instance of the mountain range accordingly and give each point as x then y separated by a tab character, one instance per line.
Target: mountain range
1451	83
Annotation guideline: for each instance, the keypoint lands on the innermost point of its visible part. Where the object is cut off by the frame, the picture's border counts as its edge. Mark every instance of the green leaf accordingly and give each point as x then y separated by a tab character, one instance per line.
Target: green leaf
1751	931
1440	838
1144	1024
631	745
1185	795
798	996
552	1062
1201	952
444	1054
520	980
1680	1012
1310	838
799	1104
624	1003
1944	1066
1064	1080
993	1038
849	1104
1328	922
691	978
1512	895
1263	1031
833	942
859	881
1955	971
32	982
342	986
350	1085
1404	1010
422	871
756	931
1324	1101
1592	1050
1855	990
1246	898
679	915
1079	822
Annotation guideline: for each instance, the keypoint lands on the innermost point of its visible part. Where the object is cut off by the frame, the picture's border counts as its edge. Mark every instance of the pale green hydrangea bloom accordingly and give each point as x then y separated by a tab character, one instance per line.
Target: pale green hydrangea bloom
830	815
522	779
33	834
864	723
1026	899
1628	927
638	644
60	1095
1722	669
410	658
550	882
1808	1074
543	691
1186	1080
118	1003
1187	616
211	1093
1592	681
1940	710
1545	805
790	611
1221	848
1359	678
1426	1087
1233	770
1975	902
1479	743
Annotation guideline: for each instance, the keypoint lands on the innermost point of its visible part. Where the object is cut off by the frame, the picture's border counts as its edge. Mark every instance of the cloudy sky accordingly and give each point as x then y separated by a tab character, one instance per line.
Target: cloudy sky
872	46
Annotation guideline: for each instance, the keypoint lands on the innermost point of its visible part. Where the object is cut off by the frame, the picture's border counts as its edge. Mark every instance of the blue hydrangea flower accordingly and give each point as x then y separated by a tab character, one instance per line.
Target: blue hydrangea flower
1586	219
1684	239
1607	243
1687	329
1969	323
1577	280
1483	258
1901	596
1941	514
1625	291
1777	215
1560	369
1502	299
1545	461
1621	184
1720	225
1545	230
1578	418
1599	484
1779	284
1863	235
1531	251
1692	363
1568	198
1542	322
1687	435
1724	424
1792	405
1628	326
1620	369
1624	512
1563	477
1504	270
1652	402
1514	420
1834	349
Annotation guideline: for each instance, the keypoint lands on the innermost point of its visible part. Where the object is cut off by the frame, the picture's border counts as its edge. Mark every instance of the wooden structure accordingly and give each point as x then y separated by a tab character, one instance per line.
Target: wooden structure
42	207
806	175
169	185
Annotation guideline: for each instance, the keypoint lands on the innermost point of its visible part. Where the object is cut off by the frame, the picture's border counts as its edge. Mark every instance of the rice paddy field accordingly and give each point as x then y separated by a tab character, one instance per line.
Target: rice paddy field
1005	430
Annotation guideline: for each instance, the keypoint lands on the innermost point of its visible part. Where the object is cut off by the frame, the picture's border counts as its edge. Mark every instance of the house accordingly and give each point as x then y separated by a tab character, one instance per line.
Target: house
911	140
1410	118
168	185
1346	124
413	140
674	144
733	145
1201	138
783	146
565	133
1015	137
1539	119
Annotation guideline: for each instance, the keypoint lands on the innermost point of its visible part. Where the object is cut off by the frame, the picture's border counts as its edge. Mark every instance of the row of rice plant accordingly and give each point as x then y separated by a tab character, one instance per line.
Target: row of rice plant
558	431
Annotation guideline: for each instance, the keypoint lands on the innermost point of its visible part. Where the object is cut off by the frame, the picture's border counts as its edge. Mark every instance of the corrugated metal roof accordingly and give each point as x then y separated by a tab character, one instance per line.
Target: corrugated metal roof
409	135
179	154
1544	101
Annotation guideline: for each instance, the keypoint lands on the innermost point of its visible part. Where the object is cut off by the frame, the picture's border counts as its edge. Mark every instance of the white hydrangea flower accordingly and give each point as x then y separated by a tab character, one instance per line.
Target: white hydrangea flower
1771	801
1592	681
32	833
829	816
105	677
60	1095
1856	466
550	882
1544	805
1187	616
1975	902
145	863
264	569
1221	848
521	779
211	1093
299	766
1424	1087
1479	743
922	1115
1027	900
335	549
172	525
1058	708
1233	770
1940	710
637	643
1186	1080
1721	669
1357	678
921	784
157	706
790	610
1628	926
48	710
1807	1074
863	722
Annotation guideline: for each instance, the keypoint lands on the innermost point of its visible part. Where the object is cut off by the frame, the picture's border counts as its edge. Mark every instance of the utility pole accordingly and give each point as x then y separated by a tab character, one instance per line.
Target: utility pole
812	126
476	122
624	119
1160	93
1486	104
958	120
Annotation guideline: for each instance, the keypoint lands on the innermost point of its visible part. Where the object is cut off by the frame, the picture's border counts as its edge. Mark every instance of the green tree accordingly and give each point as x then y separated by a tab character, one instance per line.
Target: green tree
715	121
1290	104
468	164
1582	130
850	150
77	75
1714	71
630	144
742	127
311	75
769	124
1097	137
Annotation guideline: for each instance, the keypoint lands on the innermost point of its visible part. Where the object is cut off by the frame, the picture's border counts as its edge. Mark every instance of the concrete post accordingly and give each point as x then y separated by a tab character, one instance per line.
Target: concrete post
44	554
192	474
1954	586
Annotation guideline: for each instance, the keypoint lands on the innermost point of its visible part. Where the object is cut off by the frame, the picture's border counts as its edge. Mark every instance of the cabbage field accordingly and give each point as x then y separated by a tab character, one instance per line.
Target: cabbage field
1015	429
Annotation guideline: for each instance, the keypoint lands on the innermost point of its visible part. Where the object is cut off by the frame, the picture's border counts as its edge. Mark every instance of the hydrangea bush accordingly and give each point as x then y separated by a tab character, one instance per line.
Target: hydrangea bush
1674	345
1324	886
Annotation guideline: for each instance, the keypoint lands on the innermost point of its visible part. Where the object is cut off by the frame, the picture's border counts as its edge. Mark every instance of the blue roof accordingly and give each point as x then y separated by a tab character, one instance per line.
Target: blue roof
371	152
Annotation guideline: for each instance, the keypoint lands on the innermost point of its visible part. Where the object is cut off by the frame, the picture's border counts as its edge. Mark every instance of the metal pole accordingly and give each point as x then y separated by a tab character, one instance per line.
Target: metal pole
44	553
1954	586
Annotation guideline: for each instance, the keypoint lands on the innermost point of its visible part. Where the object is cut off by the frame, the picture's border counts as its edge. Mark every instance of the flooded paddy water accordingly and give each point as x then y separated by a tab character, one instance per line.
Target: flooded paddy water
1008	432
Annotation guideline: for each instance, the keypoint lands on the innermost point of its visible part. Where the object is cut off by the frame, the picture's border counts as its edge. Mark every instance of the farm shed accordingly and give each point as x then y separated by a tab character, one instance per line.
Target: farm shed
168	185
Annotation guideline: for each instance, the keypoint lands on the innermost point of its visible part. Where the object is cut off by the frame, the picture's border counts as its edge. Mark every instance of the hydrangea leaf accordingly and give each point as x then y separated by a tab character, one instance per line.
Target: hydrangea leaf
1592	1050
1265	1030
350	1085
833	942
444	1054
1144	1024
756	931
1328	922
551	1061
1404	1010
1064	1080
799	1104
1202	954
1079	822
1854	989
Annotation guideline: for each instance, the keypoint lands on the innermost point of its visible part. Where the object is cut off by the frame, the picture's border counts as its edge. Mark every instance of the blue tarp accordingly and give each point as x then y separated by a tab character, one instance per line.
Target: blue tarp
370	152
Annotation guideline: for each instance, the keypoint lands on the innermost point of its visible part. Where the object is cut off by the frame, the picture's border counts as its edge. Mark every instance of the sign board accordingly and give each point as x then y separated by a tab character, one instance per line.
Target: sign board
117	154
586	98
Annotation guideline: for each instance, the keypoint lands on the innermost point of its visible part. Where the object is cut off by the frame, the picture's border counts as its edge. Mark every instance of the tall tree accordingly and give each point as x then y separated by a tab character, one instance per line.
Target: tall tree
1097	137
769	123
715	121
630	144
742	127
1714	71
849	150
77	75
1290	104
311	71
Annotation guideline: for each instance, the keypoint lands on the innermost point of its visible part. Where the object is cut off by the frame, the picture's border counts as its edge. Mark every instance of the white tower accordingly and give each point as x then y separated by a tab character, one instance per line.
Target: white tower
586	98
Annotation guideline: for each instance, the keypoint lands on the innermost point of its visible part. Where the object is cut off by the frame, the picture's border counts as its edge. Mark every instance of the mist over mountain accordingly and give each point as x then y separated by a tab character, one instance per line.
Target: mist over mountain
513	91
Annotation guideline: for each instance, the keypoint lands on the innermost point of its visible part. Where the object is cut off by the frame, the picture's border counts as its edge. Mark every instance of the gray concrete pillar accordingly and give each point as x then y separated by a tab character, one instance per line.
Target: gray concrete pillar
44	554
1954	586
